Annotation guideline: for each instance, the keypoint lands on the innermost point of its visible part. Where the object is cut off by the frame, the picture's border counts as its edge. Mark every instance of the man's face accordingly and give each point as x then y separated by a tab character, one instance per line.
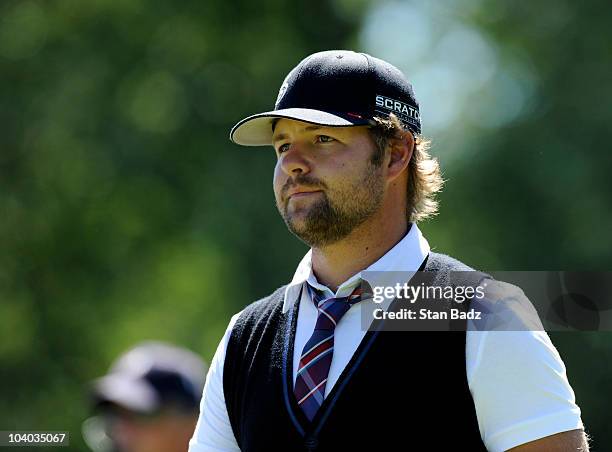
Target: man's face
165	432
325	183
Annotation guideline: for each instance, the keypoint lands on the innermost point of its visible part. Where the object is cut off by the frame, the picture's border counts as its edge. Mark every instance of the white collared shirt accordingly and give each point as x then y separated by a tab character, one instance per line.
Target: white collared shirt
517	378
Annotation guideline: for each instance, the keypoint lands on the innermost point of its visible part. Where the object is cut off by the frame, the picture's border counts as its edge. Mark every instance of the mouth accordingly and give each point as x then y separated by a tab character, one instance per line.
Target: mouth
298	194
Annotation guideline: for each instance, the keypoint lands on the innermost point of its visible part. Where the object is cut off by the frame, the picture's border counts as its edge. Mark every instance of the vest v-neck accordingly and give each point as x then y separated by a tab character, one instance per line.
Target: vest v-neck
299	419
297	416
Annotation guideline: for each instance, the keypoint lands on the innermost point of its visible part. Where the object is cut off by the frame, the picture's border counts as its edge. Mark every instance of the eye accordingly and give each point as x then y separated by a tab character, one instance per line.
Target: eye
283	148
324	139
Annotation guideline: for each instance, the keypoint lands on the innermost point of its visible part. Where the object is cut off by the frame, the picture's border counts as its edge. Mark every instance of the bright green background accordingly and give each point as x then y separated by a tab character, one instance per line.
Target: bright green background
126	214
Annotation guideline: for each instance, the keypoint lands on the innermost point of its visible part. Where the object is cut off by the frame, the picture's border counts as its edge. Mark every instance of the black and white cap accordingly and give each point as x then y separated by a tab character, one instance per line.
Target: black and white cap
150	376
336	88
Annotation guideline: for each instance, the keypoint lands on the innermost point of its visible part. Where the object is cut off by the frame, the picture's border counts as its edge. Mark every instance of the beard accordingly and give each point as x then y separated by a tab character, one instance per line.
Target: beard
337	211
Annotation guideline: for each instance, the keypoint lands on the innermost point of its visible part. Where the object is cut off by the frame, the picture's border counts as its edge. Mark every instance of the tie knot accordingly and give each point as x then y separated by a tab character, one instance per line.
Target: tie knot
331	310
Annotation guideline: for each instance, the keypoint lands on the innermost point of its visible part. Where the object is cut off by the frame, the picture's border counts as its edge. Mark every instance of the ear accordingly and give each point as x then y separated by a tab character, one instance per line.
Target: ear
400	153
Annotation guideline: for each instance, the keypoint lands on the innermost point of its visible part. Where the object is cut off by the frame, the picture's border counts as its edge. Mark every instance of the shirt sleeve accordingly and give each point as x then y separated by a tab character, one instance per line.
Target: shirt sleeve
519	385
213	432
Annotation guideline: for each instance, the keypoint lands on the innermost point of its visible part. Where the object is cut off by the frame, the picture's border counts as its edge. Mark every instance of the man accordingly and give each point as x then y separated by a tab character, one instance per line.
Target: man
296	370
148	402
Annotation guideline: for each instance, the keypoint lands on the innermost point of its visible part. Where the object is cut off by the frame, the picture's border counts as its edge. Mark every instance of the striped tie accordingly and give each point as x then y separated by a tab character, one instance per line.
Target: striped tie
317	354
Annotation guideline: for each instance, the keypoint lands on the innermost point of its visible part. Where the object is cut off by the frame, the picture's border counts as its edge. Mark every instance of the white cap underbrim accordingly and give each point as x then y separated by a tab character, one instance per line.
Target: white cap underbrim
133	394
256	130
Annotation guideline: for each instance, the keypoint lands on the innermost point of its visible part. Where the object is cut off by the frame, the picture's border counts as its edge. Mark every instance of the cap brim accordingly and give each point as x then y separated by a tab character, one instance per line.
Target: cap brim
256	130
133	394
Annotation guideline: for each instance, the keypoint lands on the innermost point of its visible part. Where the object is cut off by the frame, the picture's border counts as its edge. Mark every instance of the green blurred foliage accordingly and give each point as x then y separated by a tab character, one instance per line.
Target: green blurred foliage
126	214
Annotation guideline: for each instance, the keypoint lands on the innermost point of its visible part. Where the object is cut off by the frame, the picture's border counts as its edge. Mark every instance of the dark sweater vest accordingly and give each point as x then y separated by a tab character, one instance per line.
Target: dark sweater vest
400	391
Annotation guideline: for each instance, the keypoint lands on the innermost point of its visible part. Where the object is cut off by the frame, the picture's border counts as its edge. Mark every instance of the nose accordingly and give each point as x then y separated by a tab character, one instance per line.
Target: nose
294	161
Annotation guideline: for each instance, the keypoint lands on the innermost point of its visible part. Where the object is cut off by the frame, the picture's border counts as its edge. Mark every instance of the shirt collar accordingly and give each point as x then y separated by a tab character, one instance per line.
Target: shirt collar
406	256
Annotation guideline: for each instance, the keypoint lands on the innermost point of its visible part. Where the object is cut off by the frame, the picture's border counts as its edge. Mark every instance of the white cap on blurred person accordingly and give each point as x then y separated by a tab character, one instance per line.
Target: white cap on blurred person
150	376
148	401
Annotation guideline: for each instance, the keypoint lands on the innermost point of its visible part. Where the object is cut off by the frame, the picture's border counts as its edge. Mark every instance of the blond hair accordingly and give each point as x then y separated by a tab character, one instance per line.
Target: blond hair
424	176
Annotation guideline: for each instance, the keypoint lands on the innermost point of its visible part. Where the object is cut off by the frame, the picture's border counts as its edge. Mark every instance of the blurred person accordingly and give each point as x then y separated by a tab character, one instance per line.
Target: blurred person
296	371
148	402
